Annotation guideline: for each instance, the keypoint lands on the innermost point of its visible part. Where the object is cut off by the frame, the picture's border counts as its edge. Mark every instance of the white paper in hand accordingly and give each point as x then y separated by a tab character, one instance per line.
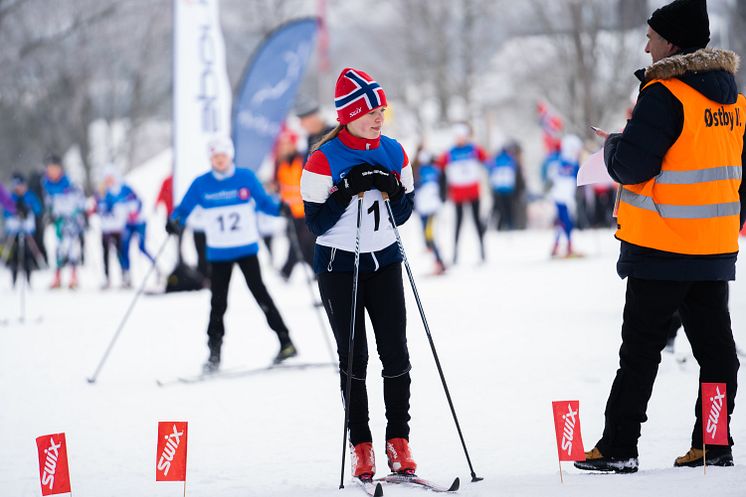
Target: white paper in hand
593	170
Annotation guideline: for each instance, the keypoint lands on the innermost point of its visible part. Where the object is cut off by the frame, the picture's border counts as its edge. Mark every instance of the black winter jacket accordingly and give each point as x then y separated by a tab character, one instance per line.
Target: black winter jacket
636	155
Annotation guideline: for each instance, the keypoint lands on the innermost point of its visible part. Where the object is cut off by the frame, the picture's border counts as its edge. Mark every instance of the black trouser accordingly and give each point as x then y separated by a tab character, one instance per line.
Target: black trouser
21	258
648	314
477	223
306	240
502	210
200	245
109	240
39	237
221	278
382	294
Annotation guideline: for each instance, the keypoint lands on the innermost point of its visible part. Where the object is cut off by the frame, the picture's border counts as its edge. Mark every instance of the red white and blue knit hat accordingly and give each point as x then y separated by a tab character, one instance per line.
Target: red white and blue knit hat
355	94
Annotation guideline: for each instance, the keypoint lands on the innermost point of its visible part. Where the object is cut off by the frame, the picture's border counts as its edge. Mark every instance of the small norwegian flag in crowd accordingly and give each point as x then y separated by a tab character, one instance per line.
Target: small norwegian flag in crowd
714	414
54	473
567	430
171	454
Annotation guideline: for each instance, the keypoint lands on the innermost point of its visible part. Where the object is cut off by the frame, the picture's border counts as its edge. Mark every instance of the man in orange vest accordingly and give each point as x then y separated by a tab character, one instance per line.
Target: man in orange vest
679	161
288	169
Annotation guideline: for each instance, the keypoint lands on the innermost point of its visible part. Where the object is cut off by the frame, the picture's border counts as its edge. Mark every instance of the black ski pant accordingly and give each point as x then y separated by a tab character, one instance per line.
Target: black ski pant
502	211
648	314
109	240
381	293
477	224
219	283
21	257
298	230
200	245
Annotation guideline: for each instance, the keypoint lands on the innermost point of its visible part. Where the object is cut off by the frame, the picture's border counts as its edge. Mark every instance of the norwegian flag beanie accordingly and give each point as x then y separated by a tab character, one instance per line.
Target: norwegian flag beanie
355	94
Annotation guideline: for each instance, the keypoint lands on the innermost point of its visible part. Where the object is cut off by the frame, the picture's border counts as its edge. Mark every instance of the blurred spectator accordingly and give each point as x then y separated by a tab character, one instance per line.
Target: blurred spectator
123	196
20	226
463	165
65	205
427	201
288	170
313	124
562	175
113	219
504	170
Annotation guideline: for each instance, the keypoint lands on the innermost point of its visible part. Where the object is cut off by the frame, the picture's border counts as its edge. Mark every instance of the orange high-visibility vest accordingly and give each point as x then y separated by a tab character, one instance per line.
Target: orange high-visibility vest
691	207
288	180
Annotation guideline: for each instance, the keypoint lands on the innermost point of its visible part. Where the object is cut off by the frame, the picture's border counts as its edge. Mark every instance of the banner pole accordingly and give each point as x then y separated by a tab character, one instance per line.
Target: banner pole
704	457
559	463
184	486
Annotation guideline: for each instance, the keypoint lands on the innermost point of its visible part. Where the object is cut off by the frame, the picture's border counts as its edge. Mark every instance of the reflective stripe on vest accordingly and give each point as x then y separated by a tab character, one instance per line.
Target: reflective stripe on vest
669	211
692	206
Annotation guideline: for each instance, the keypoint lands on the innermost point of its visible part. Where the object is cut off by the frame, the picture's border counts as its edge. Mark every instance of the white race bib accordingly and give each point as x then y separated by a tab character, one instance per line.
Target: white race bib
427	199
376	232
230	225
463	172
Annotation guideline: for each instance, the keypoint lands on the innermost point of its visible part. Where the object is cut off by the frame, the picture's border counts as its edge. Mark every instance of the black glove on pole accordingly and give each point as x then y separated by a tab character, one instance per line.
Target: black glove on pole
387	182
359	179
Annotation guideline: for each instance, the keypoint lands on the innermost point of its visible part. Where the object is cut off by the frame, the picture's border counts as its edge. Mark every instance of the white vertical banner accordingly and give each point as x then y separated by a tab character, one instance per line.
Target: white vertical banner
202	92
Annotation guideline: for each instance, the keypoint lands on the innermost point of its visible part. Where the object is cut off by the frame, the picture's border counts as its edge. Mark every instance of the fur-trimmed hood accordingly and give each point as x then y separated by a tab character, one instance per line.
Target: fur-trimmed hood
710	71
706	59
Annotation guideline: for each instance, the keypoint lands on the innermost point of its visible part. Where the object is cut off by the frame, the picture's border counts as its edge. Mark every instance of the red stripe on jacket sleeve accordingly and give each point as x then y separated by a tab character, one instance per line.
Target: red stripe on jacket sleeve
318	163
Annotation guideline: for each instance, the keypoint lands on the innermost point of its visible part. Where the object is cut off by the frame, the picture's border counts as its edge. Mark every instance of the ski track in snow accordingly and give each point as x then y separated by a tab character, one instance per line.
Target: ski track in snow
512	335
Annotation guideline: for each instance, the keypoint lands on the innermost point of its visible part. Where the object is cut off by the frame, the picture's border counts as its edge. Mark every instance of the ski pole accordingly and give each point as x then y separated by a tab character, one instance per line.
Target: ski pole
351	343
124	320
474	477
295	242
38	257
21	262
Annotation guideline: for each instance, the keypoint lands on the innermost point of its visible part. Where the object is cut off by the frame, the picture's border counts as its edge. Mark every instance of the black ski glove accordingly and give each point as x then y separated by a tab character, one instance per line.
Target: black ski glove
173	227
358	179
386	181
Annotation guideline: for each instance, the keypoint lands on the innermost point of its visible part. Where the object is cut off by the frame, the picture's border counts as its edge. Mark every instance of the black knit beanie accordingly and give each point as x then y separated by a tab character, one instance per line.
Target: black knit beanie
683	22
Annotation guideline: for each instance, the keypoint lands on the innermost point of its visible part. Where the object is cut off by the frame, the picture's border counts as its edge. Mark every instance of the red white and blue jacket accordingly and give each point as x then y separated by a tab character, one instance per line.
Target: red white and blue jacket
335	224
464	166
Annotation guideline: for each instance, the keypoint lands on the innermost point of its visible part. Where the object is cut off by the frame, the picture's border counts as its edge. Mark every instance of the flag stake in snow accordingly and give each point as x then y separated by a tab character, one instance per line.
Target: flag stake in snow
140	291
474	477
567	432
714	417
171	452
54	472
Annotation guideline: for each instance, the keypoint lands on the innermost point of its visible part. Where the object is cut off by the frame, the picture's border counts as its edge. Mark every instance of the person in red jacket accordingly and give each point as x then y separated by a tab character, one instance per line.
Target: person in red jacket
463	165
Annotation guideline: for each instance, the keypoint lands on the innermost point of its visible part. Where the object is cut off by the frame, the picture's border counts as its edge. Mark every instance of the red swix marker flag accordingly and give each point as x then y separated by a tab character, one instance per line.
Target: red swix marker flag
714	414
171	456
567	429
54	474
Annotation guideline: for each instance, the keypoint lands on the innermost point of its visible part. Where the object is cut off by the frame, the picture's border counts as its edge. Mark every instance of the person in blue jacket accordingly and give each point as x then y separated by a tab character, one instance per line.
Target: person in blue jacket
20	225
229	198
356	159
503	170
125	201
65	205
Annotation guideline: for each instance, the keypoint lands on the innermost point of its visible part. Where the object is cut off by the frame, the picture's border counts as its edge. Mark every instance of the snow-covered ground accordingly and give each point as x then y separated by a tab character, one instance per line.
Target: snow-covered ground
513	335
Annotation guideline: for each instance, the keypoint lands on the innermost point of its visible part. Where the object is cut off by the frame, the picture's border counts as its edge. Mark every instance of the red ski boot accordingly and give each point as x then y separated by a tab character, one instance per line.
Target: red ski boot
400	456
363	461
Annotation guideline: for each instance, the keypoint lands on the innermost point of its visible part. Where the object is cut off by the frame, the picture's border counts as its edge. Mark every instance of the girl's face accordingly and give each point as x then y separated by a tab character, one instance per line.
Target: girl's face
368	125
